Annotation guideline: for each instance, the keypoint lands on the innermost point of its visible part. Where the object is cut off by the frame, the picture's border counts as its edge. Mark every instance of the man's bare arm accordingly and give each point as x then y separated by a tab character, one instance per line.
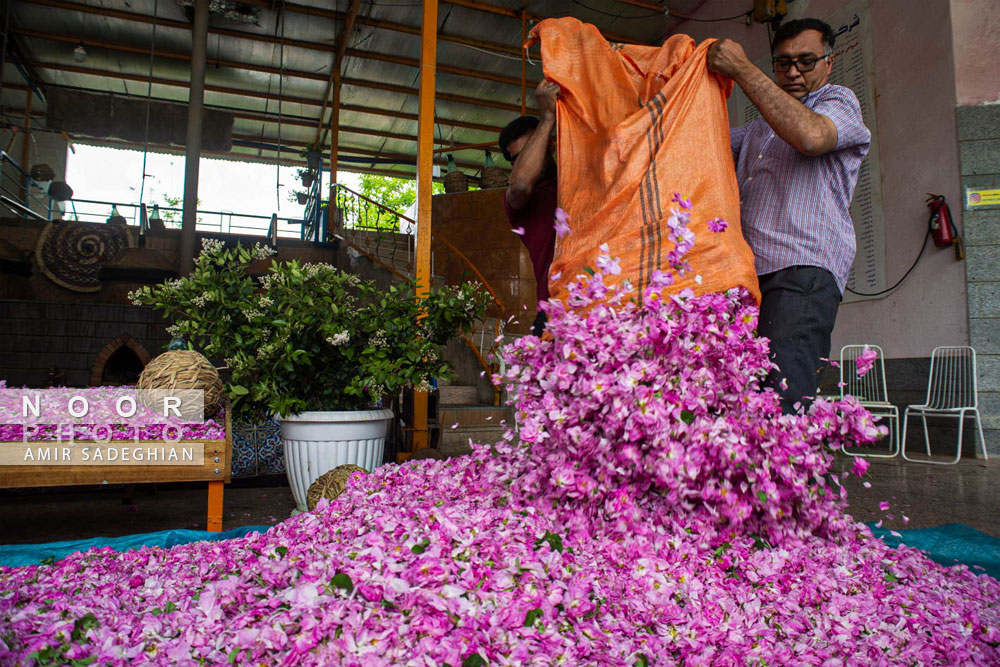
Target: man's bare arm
532	159
805	130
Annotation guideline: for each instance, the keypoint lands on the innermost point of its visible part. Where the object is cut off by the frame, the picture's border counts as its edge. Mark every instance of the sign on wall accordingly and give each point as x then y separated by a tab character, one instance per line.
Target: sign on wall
976	197
853	69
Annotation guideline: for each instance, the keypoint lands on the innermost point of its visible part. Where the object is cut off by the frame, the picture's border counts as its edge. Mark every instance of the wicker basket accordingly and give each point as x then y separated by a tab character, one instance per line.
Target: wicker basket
493	177
42	172
456	181
184	369
330	484
60	191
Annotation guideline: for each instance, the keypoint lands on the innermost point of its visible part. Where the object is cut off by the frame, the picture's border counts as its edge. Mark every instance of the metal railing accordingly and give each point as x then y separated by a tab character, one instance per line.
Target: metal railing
18	187
387	238
222	222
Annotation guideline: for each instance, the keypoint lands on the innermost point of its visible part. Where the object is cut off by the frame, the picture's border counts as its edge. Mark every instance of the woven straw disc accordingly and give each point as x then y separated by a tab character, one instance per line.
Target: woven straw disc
330	484
184	369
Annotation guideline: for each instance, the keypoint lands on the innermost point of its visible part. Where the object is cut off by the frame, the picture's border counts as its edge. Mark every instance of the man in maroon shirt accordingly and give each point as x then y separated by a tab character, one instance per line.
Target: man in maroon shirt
530	200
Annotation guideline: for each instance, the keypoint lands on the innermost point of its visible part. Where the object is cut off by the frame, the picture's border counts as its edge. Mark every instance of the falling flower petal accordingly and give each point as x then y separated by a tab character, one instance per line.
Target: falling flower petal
865	361
561	223
717	225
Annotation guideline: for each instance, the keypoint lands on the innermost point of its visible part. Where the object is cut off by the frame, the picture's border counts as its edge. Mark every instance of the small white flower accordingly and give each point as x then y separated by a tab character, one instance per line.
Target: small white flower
339	338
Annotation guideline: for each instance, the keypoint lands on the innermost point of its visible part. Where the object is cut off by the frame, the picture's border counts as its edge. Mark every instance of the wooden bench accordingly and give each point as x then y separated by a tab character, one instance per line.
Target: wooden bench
216	469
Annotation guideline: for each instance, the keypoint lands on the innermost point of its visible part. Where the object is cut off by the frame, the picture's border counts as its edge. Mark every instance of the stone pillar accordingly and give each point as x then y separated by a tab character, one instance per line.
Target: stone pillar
979	149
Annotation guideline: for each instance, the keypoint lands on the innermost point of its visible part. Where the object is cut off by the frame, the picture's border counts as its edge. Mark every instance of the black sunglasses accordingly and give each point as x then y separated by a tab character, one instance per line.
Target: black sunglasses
804	64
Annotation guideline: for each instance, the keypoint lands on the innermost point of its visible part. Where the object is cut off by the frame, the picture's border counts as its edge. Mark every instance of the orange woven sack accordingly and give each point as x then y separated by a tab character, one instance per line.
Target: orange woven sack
637	124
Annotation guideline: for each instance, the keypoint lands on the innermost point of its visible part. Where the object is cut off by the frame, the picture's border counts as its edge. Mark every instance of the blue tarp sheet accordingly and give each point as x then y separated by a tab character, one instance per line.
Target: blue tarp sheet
32	554
948	544
951	544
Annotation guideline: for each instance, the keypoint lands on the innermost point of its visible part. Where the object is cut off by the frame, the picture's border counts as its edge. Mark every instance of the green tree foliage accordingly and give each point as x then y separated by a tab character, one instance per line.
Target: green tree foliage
395	193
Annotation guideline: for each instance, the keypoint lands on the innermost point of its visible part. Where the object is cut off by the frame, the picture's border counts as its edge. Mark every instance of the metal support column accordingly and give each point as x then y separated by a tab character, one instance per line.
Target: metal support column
196	101
425	180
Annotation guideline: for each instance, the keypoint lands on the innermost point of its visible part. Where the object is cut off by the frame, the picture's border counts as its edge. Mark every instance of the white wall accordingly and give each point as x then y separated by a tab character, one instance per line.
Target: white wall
915	100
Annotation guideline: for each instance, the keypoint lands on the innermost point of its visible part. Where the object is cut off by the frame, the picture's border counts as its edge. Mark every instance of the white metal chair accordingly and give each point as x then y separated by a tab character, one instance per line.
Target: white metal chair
871	392
951	392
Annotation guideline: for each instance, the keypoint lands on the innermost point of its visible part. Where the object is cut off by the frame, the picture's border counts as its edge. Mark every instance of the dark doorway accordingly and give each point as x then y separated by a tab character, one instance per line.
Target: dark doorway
123	367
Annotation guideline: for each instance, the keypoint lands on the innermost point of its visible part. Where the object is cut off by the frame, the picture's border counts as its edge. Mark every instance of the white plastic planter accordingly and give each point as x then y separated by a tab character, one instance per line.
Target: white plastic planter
316	442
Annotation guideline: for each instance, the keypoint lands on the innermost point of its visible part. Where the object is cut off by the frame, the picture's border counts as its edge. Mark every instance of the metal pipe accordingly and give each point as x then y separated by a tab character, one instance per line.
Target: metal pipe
377	155
464	147
334	81
196	101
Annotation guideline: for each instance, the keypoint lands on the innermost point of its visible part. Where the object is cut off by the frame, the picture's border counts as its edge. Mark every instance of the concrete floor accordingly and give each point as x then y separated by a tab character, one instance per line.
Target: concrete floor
929	495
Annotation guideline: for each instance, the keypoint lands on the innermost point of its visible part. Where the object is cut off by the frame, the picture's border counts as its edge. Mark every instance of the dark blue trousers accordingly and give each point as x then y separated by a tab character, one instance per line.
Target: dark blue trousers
798	309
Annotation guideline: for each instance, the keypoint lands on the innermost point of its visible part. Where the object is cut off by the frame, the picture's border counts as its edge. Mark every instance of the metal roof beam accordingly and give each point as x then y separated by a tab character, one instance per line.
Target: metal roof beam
513	13
361	83
387	25
334	83
349	150
295	121
312	76
248	93
238	34
239	157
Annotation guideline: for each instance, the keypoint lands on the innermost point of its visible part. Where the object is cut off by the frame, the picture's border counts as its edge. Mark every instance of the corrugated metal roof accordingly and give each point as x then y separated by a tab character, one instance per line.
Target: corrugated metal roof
279	65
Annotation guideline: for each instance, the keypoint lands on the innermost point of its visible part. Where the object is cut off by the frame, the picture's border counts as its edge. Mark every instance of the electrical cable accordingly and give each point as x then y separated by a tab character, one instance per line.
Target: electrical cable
900	281
491	52
615	16
149	104
691	18
281	78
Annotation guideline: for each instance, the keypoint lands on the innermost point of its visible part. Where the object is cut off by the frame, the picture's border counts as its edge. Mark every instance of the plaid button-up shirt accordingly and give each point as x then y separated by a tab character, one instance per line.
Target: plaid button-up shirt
794	209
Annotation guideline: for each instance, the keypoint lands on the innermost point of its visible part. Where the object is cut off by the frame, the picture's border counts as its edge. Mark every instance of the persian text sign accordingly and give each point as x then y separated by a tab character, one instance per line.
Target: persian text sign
148	453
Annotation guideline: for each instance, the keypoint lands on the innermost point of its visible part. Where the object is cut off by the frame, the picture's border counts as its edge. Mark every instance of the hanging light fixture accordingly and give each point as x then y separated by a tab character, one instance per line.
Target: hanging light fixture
79	53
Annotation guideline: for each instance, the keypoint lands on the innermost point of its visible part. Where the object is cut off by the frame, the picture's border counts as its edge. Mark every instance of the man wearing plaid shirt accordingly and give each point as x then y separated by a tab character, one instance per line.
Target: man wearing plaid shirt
797	167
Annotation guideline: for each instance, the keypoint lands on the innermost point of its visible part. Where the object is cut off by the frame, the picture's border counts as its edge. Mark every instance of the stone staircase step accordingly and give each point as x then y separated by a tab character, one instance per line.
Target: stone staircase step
452	394
467	416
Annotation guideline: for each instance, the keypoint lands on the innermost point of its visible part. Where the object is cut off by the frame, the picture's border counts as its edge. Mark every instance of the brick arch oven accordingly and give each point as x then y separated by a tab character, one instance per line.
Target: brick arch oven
119	362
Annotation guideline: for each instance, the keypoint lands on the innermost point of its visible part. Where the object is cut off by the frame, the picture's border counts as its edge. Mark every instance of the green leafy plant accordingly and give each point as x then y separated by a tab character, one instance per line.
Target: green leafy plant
315	147
306	176
310	336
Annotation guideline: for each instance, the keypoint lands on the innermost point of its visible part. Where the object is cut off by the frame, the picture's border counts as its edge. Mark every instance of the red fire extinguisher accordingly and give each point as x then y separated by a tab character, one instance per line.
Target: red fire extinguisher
942	227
